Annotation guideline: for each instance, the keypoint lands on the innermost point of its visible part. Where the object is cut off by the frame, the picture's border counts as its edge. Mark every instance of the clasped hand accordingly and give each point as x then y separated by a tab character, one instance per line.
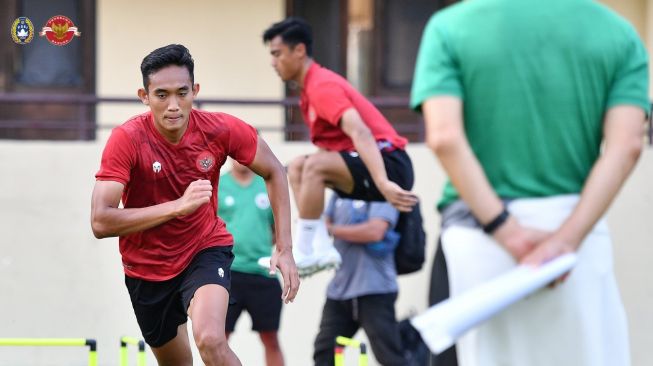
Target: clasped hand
531	246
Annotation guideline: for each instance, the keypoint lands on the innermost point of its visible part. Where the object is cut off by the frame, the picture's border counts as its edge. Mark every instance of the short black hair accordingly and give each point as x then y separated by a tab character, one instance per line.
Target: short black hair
172	54
293	31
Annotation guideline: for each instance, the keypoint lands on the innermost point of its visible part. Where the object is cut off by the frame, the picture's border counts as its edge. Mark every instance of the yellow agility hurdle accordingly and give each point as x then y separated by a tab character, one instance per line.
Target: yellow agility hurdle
55	342
124	341
341	343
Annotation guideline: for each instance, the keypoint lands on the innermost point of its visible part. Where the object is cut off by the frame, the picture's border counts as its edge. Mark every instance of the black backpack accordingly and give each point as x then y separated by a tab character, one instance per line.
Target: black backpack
409	254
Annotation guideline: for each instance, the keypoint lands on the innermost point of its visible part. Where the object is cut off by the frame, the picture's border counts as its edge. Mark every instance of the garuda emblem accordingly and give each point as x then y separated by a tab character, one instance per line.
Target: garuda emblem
59	30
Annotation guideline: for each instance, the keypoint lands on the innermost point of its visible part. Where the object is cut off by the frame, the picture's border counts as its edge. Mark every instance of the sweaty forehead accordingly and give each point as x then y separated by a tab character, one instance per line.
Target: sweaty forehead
170	78
277	43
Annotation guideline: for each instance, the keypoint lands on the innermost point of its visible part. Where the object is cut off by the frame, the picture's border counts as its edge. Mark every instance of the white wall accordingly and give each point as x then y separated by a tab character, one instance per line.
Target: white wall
57	280
224	37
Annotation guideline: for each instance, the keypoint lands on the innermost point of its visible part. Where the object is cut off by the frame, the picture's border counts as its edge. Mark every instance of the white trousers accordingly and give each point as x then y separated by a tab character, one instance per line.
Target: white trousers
579	323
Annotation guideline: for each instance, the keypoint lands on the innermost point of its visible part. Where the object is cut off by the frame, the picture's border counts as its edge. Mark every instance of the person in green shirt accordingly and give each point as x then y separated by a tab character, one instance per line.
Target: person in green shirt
245	208
535	110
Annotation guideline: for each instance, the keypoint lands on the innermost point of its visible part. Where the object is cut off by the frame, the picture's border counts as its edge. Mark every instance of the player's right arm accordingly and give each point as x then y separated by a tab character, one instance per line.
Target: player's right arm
445	135
108	220
353	126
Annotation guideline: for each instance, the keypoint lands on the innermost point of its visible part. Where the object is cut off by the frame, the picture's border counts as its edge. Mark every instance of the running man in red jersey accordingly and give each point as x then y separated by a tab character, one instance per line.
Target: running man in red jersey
164	165
361	156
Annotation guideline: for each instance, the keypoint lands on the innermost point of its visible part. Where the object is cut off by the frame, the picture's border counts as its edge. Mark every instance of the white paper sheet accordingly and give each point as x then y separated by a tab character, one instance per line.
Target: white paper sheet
443	323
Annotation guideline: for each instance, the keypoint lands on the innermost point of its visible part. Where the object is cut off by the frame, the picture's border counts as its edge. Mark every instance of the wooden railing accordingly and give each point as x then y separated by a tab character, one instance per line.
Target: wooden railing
87	102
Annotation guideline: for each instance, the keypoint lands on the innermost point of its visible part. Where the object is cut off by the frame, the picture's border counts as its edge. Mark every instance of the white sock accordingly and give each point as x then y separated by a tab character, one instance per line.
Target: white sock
322	242
306	230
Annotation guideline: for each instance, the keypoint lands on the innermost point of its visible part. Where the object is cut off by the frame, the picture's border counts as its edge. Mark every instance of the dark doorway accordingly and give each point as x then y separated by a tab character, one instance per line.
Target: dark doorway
44	80
374	44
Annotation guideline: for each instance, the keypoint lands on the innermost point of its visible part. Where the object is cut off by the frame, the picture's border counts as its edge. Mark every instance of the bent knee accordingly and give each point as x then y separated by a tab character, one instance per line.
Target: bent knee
296	167
270	339
206	340
318	164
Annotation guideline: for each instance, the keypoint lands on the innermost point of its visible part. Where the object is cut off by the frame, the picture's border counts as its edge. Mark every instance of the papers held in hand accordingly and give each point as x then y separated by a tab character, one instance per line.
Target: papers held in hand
443	323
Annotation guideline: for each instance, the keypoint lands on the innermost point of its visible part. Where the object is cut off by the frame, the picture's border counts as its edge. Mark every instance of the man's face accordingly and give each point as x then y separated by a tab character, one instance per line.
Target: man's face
170	97
287	61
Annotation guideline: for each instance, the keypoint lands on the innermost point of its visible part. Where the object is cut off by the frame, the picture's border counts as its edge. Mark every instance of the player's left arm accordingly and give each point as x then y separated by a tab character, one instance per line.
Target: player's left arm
267	165
353	126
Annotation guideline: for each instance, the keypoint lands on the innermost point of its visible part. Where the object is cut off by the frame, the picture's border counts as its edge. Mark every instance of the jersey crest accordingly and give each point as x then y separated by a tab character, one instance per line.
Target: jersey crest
312	115
205	161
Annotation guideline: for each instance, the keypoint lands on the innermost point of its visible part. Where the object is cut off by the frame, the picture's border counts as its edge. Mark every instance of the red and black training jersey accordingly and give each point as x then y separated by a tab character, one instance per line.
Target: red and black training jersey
155	171
325	97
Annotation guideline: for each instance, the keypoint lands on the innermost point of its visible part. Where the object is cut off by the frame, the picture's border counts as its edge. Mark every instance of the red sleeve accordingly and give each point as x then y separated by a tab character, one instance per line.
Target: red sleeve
117	158
243	140
330	102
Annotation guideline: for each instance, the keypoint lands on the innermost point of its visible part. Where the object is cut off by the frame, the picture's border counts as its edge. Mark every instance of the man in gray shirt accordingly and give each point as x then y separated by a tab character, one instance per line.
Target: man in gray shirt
364	289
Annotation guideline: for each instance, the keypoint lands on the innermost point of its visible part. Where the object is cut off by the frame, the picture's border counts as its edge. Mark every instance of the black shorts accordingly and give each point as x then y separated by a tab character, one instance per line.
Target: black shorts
162	306
398	167
260	296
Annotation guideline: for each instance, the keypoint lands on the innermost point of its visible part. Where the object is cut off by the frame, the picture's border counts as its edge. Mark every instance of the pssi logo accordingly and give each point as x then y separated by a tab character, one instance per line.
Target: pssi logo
22	30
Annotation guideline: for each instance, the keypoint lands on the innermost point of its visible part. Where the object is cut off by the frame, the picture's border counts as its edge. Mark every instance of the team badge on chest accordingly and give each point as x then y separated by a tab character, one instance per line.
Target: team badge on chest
262	201
205	161
312	115
156	166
